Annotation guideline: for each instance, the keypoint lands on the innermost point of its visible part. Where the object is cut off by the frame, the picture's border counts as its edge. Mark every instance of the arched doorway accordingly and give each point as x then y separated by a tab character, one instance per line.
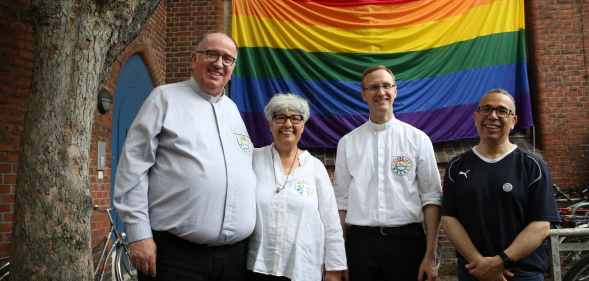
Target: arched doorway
133	85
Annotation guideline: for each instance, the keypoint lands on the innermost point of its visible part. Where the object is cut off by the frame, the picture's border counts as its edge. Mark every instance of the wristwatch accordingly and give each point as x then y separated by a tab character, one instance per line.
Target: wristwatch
507	261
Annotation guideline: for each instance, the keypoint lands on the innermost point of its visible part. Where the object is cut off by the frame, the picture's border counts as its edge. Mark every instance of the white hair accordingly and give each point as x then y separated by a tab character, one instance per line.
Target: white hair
281	103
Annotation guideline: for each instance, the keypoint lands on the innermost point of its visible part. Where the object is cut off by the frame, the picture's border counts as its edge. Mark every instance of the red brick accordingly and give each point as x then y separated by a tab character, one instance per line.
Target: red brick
9	179
562	73
6	188
5	168
6	217
6	227
7	199
6	249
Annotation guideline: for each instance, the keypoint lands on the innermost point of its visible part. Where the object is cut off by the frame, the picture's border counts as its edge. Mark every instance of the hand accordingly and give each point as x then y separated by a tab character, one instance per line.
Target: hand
428	266
143	256
507	275
487	269
334	276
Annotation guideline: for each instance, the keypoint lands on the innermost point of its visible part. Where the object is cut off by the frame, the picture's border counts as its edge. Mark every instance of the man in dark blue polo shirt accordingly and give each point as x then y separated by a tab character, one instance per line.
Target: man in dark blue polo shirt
497	201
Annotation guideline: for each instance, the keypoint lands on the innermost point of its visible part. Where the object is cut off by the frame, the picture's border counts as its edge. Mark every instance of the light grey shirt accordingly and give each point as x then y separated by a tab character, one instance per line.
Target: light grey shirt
186	168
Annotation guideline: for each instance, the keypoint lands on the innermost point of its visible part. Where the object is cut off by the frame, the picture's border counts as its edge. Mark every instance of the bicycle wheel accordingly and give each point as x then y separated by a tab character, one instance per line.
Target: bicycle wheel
124	269
579	271
4	268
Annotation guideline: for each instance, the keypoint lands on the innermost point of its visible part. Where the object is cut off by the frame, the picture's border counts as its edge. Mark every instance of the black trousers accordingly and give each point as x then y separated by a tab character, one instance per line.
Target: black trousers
254	276
179	260
385	253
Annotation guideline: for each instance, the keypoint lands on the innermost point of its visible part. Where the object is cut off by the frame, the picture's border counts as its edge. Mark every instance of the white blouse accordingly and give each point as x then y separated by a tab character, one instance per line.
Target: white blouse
297	229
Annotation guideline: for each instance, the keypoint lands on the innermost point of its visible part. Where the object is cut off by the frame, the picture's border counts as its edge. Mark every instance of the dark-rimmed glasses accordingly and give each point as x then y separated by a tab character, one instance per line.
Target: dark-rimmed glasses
502	112
213	56
295	119
375	87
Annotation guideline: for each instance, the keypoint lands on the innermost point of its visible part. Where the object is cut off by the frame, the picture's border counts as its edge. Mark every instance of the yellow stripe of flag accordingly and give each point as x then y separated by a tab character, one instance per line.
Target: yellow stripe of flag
497	17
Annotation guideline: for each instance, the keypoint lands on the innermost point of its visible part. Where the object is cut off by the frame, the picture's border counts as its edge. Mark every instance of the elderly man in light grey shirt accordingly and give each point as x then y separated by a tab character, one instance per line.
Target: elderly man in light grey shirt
185	187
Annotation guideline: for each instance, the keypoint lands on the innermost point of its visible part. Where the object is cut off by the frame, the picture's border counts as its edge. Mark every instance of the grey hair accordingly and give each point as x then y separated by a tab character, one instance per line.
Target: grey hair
281	103
503	92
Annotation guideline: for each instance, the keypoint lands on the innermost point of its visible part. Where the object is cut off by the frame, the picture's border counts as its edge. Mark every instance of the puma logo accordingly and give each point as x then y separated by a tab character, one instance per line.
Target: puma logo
464	173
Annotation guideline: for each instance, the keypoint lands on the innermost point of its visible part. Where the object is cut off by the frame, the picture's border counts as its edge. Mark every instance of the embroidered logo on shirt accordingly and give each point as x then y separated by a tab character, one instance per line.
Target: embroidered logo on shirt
401	165
302	188
507	187
244	142
464	173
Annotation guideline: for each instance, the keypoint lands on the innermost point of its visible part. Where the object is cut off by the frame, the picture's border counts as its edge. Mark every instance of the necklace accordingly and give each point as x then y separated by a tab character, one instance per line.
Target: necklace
280	188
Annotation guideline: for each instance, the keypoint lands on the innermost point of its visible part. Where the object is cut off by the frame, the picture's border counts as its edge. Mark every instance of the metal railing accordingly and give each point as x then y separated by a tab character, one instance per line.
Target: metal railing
557	246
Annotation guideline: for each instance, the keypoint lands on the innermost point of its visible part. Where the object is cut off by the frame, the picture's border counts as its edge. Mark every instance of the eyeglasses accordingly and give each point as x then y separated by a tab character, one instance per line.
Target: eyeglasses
502	112
295	119
374	88
213	56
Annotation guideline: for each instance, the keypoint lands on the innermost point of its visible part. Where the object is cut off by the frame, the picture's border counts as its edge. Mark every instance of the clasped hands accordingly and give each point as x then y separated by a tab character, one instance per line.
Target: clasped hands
489	269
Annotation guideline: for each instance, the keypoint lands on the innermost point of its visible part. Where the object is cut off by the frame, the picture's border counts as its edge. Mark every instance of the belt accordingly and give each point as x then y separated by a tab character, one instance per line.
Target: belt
165	236
412	228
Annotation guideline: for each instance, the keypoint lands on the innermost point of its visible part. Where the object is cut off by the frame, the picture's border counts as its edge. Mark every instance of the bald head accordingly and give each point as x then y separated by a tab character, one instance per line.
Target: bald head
214	36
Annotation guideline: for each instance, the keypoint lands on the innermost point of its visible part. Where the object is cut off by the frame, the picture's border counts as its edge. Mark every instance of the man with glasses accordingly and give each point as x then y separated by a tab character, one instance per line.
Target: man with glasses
387	185
185	186
498	203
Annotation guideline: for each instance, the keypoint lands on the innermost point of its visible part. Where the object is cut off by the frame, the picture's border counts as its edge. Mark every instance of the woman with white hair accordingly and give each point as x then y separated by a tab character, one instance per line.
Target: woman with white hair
297	233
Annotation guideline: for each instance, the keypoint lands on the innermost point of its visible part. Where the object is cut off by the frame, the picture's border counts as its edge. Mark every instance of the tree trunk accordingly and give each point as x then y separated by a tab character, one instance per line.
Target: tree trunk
75	42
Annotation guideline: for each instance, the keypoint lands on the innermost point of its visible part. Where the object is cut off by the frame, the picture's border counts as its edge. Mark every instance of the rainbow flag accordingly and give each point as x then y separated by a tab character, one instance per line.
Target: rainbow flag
445	54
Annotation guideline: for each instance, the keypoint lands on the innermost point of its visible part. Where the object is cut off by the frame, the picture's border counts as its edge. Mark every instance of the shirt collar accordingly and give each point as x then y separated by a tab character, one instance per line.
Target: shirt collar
380	127
203	94
493	160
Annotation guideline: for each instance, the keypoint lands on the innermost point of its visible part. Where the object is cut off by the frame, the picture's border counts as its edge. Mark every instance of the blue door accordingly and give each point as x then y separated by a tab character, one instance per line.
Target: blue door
133	85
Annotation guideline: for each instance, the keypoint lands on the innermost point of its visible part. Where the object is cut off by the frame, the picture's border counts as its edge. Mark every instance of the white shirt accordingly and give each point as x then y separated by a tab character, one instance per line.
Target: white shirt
385	174
186	168
297	230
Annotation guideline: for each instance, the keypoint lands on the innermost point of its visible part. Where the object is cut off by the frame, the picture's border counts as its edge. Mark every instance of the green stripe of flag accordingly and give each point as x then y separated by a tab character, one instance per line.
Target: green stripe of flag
269	63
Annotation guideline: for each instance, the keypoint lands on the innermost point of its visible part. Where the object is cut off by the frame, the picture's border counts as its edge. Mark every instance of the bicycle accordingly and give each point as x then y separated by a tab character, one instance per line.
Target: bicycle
123	268
574	216
579	269
115	242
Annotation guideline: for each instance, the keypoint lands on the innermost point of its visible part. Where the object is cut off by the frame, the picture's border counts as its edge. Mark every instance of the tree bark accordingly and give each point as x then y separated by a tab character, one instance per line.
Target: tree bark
75	43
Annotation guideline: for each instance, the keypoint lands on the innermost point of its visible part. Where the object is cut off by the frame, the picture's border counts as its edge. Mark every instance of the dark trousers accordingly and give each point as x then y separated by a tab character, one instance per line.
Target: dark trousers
178	260
254	276
385	253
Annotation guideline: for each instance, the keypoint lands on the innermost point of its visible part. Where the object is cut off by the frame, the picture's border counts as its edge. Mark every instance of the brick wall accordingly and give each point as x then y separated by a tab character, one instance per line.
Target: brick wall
16	66
187	22
559	42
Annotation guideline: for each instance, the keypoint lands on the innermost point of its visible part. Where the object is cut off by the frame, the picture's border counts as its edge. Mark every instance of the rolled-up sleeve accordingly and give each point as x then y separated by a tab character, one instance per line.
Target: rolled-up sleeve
138	155
428	175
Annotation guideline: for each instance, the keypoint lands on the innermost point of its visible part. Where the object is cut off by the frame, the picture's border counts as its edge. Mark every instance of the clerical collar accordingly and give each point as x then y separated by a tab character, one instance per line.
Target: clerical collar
381	127
203	94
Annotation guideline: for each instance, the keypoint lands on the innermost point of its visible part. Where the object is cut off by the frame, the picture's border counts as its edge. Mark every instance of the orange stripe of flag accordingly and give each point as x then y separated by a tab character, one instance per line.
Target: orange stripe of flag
364	16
